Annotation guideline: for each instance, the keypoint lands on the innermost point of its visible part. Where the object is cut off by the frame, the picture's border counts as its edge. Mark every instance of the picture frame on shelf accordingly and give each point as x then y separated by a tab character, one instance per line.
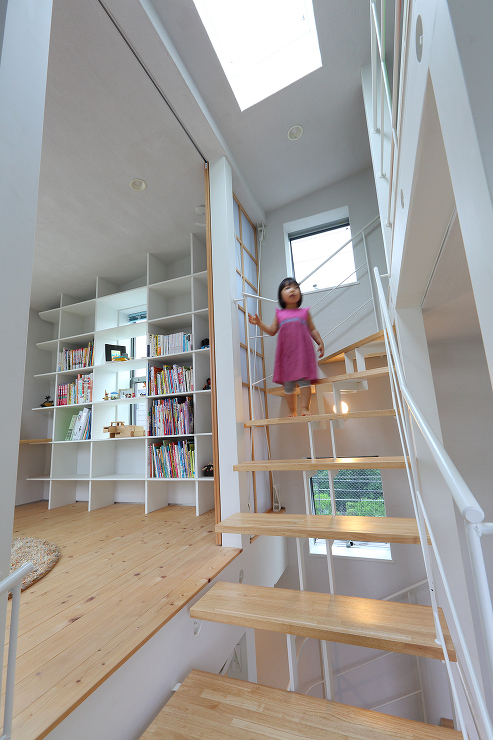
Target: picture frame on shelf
114	352
126	393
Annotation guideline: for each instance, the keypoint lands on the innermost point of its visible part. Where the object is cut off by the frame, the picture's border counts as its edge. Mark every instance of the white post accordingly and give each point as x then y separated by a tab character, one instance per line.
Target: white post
233	486
294	684
23	68
301	563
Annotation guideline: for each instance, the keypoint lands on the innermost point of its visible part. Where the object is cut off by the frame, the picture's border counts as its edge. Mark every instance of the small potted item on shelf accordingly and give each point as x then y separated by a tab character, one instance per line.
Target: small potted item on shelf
205	343
208	470
117	429
207	385
47	402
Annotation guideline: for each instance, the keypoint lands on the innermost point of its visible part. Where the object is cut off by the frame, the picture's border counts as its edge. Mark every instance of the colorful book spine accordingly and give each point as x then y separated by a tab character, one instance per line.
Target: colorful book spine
171	416
170	379
168	344
73	359
172	460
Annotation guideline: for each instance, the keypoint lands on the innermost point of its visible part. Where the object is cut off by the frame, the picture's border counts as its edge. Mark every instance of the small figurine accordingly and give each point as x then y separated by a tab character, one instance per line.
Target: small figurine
47	402
205	344
208	470
114	396
207	385
106	397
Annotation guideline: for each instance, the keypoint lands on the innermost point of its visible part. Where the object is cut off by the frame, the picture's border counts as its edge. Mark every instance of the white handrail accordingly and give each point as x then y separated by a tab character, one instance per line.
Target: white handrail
13	583
467	504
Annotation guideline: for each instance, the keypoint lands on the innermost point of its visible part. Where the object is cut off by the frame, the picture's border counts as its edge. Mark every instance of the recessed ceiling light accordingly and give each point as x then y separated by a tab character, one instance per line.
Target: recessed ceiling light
295	132
138	185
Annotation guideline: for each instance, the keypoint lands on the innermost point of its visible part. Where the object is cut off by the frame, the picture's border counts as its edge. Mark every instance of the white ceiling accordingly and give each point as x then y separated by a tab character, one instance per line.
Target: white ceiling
106	124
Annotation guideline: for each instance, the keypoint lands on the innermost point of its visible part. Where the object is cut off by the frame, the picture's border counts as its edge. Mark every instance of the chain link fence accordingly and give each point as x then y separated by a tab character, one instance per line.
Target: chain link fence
357	493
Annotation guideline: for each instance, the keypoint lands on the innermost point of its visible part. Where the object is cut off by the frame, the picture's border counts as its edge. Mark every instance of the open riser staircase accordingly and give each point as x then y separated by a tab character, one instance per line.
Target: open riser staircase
207	706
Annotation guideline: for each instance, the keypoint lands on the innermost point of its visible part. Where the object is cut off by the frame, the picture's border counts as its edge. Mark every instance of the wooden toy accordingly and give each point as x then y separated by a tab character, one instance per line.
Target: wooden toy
119	429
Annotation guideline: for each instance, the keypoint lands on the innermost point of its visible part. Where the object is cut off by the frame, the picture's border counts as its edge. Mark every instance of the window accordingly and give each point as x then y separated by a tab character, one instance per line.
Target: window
310	247
356	493
262	47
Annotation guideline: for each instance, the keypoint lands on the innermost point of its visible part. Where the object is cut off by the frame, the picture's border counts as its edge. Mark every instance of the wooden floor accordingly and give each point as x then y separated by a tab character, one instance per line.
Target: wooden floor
116	562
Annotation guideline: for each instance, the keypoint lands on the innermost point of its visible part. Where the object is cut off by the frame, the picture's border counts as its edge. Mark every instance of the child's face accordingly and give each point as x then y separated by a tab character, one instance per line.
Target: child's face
291	294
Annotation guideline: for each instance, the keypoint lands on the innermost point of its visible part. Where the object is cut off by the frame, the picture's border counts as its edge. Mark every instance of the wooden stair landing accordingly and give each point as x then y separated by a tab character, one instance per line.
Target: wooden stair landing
327	527
383	625
376	372
325	463
210	707
321	417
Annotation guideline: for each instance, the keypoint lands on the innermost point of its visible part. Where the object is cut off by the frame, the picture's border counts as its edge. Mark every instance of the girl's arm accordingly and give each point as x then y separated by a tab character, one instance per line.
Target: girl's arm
315	336
271	330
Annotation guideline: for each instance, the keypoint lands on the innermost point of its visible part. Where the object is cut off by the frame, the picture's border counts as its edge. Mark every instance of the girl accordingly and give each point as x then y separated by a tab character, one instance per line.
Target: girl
295	358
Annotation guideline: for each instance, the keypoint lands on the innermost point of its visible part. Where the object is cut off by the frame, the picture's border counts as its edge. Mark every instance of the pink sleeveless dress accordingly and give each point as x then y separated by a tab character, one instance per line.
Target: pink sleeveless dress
295	353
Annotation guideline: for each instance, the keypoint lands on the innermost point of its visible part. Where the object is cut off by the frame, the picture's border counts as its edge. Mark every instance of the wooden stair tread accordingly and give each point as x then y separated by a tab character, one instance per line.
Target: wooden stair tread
383	625
325	463
335	356
376	372
327	527
210	707
321	417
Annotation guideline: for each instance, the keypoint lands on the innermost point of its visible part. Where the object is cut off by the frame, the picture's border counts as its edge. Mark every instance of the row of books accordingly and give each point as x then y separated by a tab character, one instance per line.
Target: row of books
170	379
168	344
73	359
171	416
80	391
80	426
172	460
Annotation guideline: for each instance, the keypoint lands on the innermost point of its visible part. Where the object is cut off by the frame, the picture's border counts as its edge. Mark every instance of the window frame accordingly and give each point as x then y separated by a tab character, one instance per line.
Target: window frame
380	551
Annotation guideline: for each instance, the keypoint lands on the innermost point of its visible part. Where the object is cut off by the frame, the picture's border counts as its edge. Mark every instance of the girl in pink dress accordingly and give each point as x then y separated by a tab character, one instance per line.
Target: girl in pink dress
295	356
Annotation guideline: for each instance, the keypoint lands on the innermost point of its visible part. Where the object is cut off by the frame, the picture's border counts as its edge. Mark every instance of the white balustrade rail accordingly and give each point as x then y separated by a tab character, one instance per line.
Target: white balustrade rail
13	584
387	98
408	411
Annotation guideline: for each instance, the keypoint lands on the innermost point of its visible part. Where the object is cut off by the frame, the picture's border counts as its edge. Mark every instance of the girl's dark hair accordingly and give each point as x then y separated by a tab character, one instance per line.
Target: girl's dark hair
284	284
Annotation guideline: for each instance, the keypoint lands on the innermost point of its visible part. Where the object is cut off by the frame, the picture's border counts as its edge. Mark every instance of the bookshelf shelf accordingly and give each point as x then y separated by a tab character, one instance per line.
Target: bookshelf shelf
170	299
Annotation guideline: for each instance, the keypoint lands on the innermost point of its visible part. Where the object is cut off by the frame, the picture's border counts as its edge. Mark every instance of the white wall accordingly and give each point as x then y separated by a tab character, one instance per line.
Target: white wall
465	406
34	459
357	193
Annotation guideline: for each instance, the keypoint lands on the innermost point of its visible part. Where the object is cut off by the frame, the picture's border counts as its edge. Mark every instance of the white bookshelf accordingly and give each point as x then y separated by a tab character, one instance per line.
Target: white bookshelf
103	471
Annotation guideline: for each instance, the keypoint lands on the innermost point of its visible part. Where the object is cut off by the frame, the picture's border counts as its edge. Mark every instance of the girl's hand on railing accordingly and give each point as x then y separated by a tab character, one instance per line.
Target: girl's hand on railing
321	349
254	319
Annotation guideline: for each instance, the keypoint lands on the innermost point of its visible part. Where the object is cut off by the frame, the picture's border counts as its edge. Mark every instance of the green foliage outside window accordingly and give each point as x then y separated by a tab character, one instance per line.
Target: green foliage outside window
357	493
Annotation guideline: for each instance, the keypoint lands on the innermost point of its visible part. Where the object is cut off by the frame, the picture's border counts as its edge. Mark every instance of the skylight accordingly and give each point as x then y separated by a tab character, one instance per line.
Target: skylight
263	45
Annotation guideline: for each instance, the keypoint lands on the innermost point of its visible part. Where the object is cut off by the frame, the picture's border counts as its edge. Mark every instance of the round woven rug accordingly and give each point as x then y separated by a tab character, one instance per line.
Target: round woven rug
43	554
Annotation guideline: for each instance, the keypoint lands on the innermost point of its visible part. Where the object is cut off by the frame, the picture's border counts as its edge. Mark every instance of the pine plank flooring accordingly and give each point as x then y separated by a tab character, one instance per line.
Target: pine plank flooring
208	707
116	562
383	625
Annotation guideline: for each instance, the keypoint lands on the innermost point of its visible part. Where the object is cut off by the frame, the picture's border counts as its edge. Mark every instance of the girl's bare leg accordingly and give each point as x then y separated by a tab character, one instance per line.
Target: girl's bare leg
306	397
291	399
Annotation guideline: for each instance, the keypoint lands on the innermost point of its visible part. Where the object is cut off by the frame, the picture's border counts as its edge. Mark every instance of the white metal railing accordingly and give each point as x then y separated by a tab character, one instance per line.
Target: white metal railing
254	382
380	84
406	411
12	583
